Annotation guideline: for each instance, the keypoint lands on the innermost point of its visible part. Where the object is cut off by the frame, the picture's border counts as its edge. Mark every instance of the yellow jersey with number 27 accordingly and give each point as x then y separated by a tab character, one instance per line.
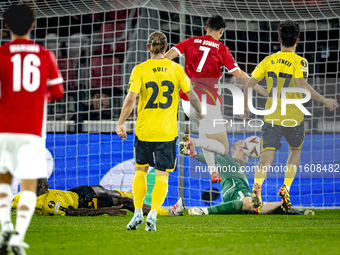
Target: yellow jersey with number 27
157	81
280	70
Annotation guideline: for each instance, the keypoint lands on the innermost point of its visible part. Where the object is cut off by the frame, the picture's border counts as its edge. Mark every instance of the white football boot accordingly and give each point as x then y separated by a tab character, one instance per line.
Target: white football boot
16	245
197	211
178	208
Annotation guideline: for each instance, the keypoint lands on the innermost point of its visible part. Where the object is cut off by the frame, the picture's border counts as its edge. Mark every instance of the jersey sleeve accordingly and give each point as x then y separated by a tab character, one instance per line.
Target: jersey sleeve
54	76
181	47
135	82
301	69
55	89
260	71
228	60
184	81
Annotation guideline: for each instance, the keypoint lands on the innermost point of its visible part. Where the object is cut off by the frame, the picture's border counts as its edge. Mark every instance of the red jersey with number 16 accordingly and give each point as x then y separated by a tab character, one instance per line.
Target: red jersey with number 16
28	74
204	58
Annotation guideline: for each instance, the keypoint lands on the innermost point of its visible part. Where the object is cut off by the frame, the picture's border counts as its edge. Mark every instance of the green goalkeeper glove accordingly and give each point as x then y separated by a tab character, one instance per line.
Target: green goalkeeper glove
183	149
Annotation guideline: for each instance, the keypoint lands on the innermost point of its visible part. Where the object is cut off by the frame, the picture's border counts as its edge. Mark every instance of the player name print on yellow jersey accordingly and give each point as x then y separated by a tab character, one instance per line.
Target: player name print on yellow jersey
159	69
281	61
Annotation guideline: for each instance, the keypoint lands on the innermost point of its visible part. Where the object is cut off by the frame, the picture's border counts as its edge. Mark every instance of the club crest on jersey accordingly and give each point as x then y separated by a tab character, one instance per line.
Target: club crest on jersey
303	63
51	204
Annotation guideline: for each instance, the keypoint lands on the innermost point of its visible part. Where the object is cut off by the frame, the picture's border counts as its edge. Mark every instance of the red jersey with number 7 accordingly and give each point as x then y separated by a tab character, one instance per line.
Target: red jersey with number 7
28	75
204	58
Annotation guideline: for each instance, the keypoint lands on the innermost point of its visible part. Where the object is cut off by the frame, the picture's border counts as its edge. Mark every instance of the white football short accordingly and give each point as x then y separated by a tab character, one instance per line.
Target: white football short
22	155
207	124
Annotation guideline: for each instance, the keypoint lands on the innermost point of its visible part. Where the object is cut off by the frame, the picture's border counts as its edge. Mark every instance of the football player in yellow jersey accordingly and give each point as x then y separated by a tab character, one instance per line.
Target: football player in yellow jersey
282	69
157	81
88	201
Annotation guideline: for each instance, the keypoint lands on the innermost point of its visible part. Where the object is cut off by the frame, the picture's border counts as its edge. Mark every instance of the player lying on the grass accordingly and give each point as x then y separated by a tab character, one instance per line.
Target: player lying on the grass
89	201
235	186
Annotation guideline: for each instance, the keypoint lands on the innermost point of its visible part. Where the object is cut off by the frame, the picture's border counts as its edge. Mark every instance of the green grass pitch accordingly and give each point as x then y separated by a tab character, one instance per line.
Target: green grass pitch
213	234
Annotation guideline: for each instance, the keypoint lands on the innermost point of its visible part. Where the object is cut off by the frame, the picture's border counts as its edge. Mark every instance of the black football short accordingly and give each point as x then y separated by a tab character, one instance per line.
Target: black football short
271	136
161	155
88	198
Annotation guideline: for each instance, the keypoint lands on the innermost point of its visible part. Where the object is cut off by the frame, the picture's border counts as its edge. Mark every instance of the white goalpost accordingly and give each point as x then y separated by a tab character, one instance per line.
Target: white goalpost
97	43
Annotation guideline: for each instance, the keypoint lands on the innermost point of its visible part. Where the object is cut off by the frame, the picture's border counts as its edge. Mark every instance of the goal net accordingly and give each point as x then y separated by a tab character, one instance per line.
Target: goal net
97	43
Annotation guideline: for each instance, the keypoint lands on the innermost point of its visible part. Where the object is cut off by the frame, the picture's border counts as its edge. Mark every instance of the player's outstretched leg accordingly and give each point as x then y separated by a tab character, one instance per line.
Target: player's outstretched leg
136	220
284	195
16	246
190	145
256	200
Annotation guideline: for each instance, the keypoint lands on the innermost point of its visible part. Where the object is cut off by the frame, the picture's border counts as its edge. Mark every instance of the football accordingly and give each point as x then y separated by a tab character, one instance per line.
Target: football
252	146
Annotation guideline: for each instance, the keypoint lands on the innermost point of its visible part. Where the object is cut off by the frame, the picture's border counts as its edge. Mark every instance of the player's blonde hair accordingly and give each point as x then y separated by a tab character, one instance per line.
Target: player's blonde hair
157	42
235	145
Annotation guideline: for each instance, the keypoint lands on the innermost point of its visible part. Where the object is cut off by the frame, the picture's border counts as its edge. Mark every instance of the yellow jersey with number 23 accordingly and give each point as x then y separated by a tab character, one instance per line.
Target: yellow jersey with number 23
280	70
157	81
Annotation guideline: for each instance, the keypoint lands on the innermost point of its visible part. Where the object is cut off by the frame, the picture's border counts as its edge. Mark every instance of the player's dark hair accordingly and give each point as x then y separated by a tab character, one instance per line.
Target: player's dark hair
157	42
289	32
19	18
216	22
42	186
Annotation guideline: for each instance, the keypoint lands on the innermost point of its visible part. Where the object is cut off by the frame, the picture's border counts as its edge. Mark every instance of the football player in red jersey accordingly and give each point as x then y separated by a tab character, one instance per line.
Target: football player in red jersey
29	76
204	57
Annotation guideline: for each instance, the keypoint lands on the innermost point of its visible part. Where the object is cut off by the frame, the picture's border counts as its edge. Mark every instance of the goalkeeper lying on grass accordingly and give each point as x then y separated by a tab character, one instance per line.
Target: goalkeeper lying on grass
235	187
89	201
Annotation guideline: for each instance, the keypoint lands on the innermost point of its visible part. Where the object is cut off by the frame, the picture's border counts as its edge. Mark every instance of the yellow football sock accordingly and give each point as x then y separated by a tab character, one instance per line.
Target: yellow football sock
163	212
139	189
290	175
259	180
159	192
260	176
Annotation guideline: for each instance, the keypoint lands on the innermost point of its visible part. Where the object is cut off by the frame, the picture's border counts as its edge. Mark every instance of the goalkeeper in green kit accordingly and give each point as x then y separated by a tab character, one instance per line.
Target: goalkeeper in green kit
235	186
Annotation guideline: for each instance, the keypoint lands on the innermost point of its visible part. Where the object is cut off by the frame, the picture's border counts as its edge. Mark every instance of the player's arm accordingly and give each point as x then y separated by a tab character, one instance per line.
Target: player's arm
195	103
55	92
185	86
135	84
251	84
257	75
329	103
243	78
112	211
171	54
55	89
199	156
128	105
178	49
